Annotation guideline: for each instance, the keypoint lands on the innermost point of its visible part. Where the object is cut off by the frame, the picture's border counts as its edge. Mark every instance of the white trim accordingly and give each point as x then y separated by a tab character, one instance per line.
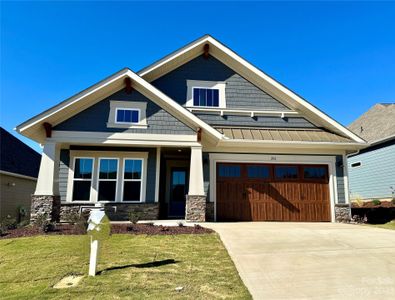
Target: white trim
276	159
345	178
251	73
141	180
116	198
116	105
123	138
112	83
17	175
97	155
71	179
157	177
218	85
243	112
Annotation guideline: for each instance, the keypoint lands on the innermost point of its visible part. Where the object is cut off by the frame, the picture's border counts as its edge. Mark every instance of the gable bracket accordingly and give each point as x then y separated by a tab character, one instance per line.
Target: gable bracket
128	85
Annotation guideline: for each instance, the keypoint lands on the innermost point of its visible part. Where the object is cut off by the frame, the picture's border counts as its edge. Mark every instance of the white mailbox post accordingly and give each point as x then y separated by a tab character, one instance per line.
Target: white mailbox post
99	229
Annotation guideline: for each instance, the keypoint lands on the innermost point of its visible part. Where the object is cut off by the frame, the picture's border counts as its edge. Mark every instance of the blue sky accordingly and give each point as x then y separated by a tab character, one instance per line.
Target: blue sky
339	56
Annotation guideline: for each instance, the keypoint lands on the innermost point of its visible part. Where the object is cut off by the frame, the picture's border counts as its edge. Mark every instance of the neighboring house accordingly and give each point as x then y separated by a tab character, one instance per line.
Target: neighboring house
200	134
19	165
372	170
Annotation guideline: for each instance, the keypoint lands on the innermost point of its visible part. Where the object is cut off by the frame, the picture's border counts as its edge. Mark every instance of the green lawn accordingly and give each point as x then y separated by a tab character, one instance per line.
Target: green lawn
29	267
389	225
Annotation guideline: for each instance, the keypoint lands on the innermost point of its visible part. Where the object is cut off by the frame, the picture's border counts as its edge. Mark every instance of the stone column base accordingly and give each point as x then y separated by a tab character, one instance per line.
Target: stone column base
342	213
195	208
45	205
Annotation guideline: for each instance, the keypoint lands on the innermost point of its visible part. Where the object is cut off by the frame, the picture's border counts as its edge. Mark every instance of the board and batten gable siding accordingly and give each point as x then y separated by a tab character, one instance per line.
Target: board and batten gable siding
95	118
376	175
151	167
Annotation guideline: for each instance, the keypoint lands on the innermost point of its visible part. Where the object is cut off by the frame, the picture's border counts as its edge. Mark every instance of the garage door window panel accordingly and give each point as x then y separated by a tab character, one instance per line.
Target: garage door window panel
229	171
261	172
286	172
315	173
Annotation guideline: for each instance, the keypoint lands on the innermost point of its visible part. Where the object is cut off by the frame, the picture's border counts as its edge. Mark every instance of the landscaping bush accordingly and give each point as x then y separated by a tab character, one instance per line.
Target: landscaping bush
376	202
44	223
134	217
393	201
9	223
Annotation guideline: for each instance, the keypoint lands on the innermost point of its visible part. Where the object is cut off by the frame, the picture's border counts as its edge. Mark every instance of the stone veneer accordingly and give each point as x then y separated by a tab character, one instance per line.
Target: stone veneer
342	213
195	208
45	205
115	211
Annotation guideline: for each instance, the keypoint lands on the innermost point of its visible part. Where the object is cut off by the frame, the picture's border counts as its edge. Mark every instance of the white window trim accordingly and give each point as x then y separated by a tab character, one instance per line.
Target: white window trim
219	85
136	180
127	105
276	159
104	179
95	173
70	185
130	109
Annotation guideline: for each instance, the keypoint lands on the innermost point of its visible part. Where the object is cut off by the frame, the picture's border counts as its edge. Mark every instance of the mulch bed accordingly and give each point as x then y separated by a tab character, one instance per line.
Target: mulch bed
68	229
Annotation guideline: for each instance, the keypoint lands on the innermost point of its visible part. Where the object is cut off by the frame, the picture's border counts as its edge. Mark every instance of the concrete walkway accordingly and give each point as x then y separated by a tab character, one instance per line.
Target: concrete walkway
312	260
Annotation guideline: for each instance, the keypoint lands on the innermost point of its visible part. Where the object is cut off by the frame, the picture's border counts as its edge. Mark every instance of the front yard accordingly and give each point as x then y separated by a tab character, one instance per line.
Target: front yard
132	266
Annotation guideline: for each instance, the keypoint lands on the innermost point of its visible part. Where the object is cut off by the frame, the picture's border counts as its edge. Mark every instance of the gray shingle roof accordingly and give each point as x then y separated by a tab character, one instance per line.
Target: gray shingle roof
17	157
377	123
279	134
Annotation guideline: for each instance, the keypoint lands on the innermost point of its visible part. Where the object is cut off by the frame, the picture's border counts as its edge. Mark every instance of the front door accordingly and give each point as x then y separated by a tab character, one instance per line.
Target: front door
178	191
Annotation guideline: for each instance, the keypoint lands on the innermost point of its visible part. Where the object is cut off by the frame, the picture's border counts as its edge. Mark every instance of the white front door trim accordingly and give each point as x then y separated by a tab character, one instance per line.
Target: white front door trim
274	159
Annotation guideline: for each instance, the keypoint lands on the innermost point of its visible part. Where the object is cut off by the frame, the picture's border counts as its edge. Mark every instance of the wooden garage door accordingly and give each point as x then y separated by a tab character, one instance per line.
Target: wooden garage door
272	192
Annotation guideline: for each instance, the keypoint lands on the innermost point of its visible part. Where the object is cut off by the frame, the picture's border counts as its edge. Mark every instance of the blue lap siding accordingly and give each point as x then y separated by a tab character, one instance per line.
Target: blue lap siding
95	118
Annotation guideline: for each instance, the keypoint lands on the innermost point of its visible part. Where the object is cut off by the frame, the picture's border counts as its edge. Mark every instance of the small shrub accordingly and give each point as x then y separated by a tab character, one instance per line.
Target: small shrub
150	223
197	226
81	221
23	223
9	223
357	199
44	223
376	202
180	224
134	217
393	201
163	228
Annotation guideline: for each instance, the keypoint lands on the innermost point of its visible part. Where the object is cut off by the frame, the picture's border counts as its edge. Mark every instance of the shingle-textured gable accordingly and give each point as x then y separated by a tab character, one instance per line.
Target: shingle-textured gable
377	123
17	157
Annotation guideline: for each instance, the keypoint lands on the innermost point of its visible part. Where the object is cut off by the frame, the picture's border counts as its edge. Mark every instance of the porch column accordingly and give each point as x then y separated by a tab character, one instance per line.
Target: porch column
46	199
196	199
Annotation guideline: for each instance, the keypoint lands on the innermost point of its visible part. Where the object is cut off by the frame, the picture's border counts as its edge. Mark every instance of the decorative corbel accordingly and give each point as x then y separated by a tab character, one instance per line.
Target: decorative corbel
128	85
48	129
206	49
199	134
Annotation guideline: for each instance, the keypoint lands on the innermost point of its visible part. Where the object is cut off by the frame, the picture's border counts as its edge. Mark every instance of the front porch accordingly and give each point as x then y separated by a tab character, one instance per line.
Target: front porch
153	182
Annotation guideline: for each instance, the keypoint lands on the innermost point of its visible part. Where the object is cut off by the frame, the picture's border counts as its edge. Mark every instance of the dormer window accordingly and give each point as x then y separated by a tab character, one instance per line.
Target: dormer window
209	94
127	114
205	97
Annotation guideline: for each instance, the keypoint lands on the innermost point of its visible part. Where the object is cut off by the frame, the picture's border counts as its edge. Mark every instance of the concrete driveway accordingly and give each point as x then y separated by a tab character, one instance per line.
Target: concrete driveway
312	260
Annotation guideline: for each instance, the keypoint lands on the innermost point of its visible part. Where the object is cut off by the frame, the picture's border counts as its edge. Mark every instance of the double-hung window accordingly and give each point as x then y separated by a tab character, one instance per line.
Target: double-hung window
82	181
116	176
108	175
132	179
